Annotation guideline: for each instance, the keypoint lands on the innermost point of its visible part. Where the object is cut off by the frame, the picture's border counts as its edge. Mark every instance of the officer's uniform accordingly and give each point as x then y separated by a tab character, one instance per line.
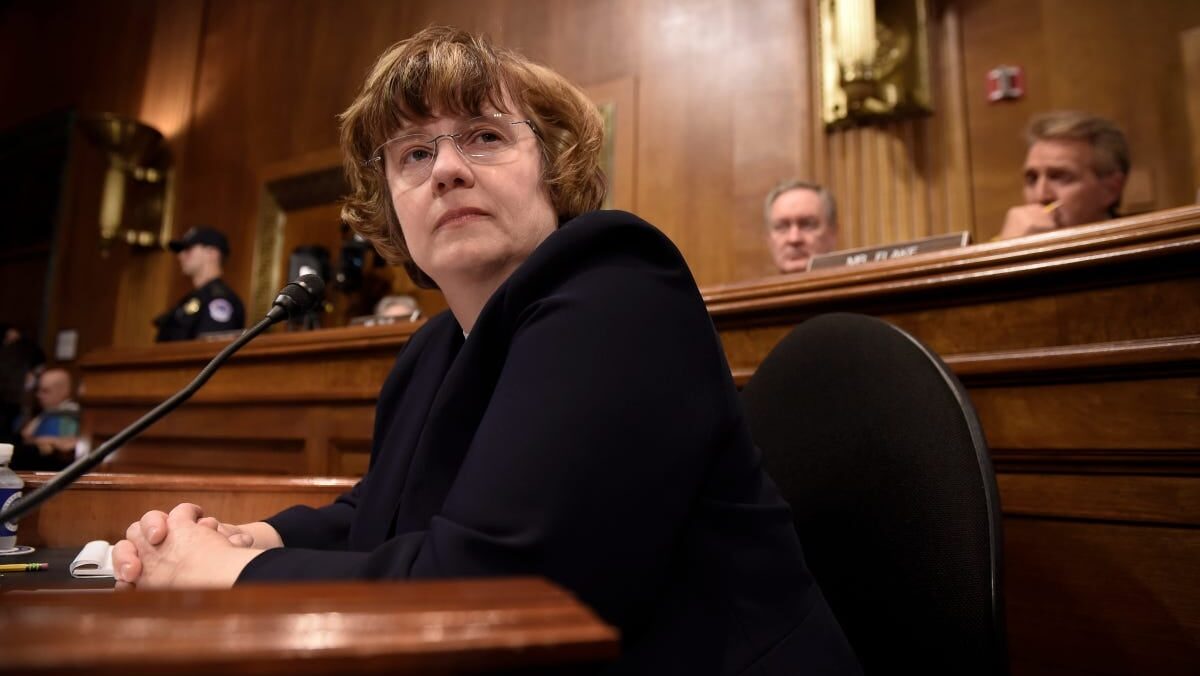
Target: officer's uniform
212	307
208	309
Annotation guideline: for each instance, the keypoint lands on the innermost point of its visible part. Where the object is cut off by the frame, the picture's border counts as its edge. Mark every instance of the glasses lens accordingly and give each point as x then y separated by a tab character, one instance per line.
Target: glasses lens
486	137
483	140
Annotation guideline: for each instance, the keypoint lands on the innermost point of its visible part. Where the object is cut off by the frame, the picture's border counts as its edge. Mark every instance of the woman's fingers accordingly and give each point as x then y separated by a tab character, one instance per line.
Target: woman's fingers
127	566
186	511
154	526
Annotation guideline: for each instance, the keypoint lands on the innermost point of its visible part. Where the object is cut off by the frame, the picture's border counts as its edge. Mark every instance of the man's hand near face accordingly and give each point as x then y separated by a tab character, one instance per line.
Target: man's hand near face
1030	219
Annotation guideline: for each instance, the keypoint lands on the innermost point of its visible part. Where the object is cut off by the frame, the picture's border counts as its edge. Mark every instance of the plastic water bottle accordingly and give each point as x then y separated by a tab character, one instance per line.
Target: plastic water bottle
10	492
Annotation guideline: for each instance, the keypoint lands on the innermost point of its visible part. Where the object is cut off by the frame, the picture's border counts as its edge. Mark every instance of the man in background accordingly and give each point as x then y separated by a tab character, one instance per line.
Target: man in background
801	223
211	306
397	306
53	432
1075	171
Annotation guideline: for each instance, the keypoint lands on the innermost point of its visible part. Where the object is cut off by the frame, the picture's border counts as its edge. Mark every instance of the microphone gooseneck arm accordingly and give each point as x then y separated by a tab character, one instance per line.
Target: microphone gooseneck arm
296	298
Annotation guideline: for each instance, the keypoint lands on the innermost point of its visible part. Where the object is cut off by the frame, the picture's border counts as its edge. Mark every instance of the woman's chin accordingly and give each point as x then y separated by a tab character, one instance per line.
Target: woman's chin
469	260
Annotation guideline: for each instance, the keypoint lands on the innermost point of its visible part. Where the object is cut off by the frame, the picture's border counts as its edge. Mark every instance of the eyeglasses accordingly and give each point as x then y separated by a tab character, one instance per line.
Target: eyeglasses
487	139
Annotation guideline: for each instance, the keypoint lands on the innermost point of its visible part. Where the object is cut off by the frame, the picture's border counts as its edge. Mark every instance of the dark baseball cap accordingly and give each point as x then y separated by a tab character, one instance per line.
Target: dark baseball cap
201	234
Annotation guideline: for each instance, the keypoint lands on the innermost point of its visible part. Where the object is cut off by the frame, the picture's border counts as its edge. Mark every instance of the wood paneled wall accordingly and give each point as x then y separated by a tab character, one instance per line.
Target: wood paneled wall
724	106
909	179
1110	57
88	56
718	83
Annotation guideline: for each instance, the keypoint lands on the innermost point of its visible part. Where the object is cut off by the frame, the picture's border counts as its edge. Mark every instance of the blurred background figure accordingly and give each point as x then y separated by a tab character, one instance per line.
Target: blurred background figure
18	357
49	438
211	306
801	223
1075	171
400	306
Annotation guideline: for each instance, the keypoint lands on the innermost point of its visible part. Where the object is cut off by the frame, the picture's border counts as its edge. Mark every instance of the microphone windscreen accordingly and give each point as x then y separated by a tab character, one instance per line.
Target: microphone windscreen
298	297
314	285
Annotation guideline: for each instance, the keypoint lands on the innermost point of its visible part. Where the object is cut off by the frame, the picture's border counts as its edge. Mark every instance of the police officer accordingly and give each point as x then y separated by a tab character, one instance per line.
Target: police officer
211	306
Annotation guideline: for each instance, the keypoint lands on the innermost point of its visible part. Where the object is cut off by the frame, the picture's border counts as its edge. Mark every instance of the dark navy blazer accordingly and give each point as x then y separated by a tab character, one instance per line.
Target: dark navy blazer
588	431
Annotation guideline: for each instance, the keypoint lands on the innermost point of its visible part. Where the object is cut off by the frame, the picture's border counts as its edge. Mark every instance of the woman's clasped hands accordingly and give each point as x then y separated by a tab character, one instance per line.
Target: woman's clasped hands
186	549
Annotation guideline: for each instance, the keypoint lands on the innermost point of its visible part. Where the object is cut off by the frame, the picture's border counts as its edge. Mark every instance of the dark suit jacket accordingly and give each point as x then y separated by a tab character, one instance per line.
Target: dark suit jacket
587	431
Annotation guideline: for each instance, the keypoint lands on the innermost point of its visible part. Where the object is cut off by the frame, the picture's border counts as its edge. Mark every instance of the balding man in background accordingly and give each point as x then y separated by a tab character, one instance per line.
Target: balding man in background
55	431
801	223
1075	171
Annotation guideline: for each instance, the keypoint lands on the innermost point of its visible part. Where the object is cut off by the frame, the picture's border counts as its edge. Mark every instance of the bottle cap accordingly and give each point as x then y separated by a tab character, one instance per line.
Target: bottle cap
6	451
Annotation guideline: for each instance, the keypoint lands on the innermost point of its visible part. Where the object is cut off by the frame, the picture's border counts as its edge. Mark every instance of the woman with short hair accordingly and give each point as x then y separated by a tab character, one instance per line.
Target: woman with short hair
571	416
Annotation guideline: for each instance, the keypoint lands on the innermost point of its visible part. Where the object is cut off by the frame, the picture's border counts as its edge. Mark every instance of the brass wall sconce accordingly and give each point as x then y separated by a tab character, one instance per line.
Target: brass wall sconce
874	61
135	204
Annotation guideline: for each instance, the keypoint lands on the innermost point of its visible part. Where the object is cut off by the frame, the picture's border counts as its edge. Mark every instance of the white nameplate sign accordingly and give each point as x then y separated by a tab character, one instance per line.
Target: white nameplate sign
872	254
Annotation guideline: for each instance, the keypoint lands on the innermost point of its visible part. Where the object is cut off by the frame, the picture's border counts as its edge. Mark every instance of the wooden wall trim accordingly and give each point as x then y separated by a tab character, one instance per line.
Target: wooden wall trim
1176	356
195	482
1123	239
1166	356
101	506
272	346
1111	498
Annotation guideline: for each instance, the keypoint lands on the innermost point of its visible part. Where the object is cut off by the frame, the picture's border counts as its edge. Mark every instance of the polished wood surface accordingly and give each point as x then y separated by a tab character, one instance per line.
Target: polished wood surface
1080	350
443	627
289	403
100	506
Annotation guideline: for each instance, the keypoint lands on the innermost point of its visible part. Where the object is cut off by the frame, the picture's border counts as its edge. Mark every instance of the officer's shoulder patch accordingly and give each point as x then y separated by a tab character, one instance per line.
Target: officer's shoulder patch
220	310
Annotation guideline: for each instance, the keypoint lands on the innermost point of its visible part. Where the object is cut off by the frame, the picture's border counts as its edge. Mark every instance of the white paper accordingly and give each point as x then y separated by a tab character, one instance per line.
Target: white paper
94	560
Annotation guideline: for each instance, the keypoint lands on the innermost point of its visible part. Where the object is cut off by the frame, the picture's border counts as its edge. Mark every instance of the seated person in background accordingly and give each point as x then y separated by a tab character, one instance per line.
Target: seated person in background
801	223
572	415
55	431
401	306
1075	171
18	357
211	306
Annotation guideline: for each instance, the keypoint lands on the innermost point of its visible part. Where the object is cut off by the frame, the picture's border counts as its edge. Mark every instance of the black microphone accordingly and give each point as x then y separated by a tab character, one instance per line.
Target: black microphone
294	300
297	298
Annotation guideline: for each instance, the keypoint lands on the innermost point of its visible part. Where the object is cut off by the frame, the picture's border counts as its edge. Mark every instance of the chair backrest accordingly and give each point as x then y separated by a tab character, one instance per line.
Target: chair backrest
876	446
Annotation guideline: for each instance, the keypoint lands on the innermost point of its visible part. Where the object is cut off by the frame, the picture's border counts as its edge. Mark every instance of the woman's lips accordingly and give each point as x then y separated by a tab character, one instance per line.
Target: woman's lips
461	215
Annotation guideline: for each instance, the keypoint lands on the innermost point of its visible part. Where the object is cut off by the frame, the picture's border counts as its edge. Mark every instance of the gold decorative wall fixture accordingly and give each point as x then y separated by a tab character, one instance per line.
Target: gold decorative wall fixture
135	202
874	61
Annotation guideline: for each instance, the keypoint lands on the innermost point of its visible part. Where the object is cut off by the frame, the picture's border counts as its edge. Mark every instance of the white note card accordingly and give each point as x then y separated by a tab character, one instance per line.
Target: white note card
94	560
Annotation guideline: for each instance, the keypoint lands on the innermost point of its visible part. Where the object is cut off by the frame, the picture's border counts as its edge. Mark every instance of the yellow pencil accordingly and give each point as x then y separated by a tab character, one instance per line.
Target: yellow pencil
1049	208
22	567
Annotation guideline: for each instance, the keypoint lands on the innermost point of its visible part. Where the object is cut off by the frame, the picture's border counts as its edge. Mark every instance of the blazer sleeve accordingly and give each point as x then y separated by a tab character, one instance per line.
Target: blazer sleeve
606	413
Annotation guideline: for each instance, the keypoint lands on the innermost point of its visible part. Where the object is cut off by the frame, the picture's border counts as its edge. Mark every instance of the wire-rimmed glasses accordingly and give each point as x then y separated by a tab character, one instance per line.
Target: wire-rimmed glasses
486	139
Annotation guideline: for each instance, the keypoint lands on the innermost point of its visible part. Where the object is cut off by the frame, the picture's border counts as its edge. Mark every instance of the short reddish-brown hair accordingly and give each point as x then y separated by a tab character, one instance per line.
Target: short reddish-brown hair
455	73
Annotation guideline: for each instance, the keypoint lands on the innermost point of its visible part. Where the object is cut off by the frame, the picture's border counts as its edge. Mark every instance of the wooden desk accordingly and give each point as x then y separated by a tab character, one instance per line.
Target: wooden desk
444	627
439	627
56	577
101	506
1080	350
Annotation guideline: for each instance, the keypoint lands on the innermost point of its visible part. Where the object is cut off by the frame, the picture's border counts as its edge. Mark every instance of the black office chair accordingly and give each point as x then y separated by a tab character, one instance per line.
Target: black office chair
877	448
